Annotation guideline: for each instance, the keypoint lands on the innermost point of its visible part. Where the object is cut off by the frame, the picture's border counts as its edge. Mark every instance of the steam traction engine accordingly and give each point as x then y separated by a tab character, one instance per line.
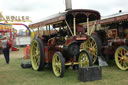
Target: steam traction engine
113	37
59	38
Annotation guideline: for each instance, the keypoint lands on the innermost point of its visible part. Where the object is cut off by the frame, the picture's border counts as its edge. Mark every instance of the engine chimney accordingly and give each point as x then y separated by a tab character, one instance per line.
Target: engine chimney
68	4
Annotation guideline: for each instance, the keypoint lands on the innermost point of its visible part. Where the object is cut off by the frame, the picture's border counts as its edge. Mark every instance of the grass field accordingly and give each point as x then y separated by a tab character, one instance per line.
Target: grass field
13	74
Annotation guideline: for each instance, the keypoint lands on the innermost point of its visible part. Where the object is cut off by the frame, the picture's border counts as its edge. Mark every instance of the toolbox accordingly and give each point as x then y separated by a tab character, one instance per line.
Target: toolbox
90	73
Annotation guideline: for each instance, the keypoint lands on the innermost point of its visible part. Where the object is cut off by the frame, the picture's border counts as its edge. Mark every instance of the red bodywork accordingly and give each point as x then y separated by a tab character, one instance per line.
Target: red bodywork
52	46
69	33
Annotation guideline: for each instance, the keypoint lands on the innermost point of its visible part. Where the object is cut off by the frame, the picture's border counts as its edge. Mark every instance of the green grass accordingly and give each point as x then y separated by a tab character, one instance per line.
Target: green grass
13	74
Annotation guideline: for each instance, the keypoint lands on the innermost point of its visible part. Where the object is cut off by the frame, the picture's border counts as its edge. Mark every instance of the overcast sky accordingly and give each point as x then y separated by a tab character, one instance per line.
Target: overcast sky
38	9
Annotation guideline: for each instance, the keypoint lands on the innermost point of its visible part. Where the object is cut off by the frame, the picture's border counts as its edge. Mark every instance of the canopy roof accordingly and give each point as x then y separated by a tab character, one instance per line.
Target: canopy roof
64	16
115	18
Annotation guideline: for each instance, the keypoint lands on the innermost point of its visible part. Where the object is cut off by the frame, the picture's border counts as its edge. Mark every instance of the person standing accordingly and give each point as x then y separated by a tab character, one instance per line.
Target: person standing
5	48
0	46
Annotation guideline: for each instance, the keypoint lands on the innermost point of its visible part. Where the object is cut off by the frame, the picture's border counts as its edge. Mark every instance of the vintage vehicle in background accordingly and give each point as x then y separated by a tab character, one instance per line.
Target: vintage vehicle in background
59	40
113	39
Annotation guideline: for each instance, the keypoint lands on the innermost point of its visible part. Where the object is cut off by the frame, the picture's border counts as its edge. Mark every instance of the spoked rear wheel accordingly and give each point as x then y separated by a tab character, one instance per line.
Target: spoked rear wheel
121	57
93	46
58	64
37	57
84	59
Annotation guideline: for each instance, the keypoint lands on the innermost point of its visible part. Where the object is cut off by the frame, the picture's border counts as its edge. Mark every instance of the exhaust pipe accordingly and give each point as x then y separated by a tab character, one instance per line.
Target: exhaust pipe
68	4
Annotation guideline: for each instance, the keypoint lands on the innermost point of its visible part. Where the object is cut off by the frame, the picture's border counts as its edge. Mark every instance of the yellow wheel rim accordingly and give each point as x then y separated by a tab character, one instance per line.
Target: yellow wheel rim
121	58
35	55
83	60
56	64
91	46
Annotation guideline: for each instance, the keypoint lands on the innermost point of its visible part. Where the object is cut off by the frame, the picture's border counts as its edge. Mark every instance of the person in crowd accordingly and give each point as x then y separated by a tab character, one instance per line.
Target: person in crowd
5	48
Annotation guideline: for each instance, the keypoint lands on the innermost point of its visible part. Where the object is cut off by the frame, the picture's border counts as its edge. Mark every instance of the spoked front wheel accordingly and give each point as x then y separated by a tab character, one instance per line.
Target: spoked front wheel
58	64
84	59
121	57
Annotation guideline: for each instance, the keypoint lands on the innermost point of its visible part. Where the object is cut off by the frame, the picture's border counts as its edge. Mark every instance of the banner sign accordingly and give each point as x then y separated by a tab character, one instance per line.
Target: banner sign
16	18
